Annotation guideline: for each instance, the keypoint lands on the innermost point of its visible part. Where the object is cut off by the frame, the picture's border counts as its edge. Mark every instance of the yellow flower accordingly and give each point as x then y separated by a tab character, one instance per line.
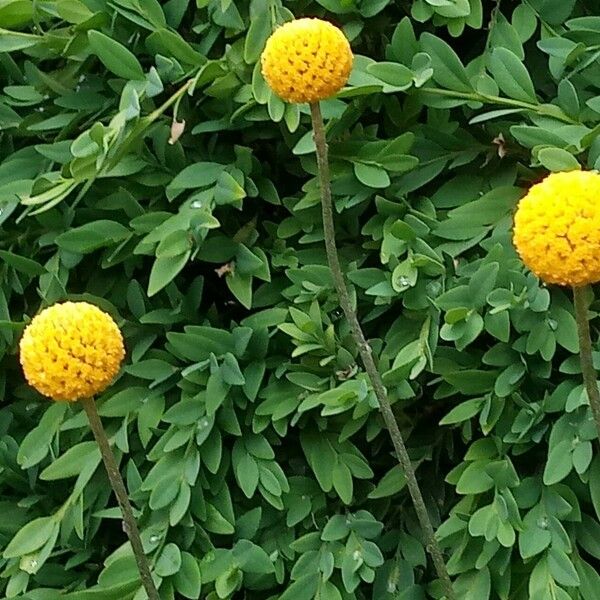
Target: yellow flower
71	351
557	228
307	60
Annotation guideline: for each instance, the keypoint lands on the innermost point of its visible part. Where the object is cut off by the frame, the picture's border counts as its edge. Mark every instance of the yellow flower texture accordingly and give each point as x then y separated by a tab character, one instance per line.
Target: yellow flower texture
557	228
71	351
307	60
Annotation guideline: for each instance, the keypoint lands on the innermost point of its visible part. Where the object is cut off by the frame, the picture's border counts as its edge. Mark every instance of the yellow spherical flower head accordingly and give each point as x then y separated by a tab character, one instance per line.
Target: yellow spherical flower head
557	228
307	60
71	351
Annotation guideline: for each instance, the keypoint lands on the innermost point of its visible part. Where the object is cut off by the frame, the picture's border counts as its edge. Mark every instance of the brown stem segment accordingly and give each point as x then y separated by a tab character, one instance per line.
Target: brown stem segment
366	354
585	352
118	486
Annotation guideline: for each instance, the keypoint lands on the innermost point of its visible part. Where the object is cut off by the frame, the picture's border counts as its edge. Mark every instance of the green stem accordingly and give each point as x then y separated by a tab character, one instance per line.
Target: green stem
366	354
490	99
118	486
82	192
135	134
585	352
142	125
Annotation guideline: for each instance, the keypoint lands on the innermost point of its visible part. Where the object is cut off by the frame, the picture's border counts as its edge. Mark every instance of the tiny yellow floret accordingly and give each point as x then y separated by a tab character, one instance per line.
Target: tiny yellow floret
307	60
71	350
557	228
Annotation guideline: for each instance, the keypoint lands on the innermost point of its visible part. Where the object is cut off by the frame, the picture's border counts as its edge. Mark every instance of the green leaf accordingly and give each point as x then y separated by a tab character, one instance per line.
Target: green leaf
179	508
594	484
115	57
483	282
198	342
120	591
472	381
252	558
36	443
393	74
216	391
371	175
269	481
536	136
557	159
72	462
241	287
321	457
174	244
246	473
498	325
228	190
10	41
31	537
92	236
73	11
561	568
448	70
164	270
391	483
170	43
475	585
328	591
187	580
524	20
493	114
197	175
463	412
227	582
230	370
302	589
511	75
582	456
216	522
342	482
559	463
124	402
169	561
152	369
535	535
22	264
474	479
258	32
337	528
590	580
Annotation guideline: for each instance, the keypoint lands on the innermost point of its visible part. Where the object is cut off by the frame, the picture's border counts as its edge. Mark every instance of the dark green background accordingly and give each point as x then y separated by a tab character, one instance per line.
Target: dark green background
250	440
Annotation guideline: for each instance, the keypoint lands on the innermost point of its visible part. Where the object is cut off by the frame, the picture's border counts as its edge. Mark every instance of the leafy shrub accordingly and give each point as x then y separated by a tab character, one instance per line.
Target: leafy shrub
250	440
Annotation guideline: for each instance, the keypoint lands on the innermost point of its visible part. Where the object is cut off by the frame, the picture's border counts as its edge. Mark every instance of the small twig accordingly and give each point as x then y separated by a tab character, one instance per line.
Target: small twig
366	354
118	486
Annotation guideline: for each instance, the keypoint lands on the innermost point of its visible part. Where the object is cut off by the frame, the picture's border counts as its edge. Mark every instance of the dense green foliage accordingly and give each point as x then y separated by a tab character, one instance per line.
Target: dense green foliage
250	440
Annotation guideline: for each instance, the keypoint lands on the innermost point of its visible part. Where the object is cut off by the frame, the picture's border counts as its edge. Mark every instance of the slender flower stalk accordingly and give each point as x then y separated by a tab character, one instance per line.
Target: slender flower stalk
70	352
309	60
366	354
590	377
118	486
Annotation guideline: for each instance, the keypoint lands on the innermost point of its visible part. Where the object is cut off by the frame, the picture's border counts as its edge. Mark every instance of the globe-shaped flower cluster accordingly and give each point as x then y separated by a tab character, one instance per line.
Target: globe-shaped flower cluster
71	350
307	60
557	228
